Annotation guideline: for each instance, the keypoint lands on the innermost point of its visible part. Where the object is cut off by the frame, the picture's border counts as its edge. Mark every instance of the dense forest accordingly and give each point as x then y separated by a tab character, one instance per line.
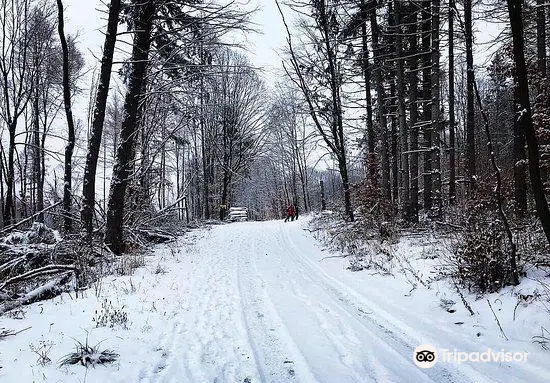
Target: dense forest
378	113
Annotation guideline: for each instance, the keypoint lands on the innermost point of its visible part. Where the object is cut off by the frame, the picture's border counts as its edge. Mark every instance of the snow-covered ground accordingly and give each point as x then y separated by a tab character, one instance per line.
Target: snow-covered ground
259	302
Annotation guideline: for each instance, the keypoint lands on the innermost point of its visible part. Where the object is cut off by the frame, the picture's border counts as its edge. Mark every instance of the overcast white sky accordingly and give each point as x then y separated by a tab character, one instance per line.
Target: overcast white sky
84	17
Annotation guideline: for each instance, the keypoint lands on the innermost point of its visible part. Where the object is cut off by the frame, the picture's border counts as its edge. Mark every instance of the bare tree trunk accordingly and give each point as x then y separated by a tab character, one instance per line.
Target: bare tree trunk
381	100
323	199
394	145
542	105
164	180
371	136
67	185
23	170
338	129
226	164
541	44
9	217
206	166
140	54
437	200
470	117
225	193
43	157
2	185
88	187
142	128
525	117
413	81
427	124
452	143
520	163
198	206
302	172
15	95
498	193
402	114
37	159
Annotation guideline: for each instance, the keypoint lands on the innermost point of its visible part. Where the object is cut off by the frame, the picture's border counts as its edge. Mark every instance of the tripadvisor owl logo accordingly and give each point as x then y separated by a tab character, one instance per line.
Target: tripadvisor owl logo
425	356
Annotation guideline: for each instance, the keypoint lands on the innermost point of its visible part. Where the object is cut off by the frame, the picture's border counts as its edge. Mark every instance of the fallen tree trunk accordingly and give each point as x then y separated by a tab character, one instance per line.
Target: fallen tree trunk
46	270
45	291
156	236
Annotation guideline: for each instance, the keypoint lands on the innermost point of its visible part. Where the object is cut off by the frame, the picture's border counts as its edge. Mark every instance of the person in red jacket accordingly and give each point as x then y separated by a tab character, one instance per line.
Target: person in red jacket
290	213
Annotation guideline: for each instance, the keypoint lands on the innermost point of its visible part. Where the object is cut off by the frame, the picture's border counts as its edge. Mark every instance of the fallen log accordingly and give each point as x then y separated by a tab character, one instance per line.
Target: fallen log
156	236
46	270
45	291
12	263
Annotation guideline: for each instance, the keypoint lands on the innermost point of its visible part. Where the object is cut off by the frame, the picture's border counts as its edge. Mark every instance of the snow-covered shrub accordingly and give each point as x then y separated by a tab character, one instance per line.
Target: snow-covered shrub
532	244
388	231
357	241
483	259
374	212
481	254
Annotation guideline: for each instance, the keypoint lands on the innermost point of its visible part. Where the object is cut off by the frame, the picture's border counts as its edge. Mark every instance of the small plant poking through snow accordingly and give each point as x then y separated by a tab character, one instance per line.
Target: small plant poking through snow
109	316
43	351
543	339
88	356
447	305
129	288
159	269
130	262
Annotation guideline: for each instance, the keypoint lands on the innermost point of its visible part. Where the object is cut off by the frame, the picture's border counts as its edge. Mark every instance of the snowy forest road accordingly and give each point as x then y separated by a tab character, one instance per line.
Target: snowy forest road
255	302
266	308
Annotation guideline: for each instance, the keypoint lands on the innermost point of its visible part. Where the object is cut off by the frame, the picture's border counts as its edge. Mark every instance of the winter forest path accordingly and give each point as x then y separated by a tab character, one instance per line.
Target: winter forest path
262	306
253	302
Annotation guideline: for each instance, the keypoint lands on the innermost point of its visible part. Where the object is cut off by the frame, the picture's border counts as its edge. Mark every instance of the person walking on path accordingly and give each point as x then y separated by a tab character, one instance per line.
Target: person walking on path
290	213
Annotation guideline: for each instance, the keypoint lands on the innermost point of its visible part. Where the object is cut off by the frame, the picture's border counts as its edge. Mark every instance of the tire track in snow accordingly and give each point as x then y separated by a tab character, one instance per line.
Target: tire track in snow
278	358
340	343
344	340
388	337
244	305
166	351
